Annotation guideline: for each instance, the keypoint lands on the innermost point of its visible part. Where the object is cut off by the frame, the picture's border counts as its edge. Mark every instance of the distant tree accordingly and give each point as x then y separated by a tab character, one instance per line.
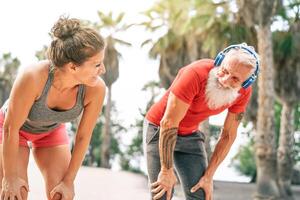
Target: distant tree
42	54
112	25
131	158
93	156
260	14
244	161
8	72
287	88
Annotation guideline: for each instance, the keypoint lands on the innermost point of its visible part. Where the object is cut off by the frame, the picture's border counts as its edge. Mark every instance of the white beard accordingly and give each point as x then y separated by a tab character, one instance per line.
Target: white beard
216	95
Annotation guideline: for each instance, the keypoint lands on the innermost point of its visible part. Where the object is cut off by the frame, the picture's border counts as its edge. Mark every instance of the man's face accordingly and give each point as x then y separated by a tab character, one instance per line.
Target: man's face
231	74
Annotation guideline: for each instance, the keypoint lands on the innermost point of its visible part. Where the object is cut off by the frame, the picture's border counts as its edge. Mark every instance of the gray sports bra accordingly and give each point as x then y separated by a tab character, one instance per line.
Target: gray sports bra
43	119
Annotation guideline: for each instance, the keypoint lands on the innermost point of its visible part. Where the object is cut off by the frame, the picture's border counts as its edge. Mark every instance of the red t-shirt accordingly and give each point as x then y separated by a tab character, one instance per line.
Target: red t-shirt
189	86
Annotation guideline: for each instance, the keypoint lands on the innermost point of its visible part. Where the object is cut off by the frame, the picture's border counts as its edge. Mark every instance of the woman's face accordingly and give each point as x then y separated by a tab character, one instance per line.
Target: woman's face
88	73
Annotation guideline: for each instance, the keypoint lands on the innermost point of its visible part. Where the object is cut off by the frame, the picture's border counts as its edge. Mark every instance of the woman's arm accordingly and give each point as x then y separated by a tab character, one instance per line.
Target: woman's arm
85	129
22	96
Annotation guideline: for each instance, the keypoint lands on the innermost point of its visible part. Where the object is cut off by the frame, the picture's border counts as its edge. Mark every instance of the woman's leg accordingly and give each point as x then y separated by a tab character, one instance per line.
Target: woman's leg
23	158
53	163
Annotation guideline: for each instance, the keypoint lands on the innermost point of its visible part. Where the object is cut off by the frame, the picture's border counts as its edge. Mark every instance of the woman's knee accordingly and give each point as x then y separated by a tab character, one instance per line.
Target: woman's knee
57	196
24	193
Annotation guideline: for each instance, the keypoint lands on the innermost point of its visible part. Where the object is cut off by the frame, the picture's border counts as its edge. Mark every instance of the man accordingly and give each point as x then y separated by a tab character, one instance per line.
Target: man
201	89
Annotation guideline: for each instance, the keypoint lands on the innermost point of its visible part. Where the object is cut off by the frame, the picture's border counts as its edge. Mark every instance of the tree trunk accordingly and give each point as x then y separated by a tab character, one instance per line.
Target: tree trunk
285	151
265	152
106	134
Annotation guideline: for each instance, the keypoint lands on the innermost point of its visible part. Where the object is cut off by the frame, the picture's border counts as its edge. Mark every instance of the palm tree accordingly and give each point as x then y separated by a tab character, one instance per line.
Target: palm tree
175	48
260	13
8	71
111	62
41	54
193	30
287	87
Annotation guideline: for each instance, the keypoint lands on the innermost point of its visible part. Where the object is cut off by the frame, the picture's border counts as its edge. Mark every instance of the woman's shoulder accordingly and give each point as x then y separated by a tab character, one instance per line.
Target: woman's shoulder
37	70
35	74
96	92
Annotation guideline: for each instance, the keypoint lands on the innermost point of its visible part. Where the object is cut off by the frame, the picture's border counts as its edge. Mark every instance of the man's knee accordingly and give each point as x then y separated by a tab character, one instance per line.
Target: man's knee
198	195
164	197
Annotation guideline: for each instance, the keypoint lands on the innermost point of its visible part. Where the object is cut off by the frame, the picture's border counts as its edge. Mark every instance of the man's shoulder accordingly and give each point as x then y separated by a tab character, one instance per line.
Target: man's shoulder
246	91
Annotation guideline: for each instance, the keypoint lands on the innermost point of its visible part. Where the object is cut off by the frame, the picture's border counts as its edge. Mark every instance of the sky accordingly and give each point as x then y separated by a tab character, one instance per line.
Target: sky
24	30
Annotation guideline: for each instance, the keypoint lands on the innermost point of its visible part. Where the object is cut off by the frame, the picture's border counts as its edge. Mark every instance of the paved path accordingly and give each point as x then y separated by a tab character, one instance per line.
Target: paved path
103	184
96	184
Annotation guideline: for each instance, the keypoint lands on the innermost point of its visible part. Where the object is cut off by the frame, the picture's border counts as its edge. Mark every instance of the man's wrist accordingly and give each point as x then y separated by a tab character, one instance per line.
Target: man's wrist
208	176
165	169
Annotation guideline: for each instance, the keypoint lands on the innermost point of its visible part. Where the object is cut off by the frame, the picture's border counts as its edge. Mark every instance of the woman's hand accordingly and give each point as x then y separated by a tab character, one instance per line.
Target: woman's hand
63	191
11	188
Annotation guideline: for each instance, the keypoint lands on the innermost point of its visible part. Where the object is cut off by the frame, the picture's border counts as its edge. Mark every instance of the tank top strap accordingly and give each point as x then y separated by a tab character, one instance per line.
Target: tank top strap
48	83
81	94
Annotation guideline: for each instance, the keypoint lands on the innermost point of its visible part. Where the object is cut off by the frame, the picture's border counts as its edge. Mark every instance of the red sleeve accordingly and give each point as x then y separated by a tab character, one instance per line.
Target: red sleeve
242	102
186	85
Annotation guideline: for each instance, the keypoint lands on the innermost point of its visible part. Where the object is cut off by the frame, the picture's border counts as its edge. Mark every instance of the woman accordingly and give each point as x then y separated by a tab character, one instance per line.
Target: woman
45	96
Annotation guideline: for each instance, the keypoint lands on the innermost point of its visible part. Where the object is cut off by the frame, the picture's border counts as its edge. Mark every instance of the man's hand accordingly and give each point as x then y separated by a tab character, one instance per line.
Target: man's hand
164	184
206	184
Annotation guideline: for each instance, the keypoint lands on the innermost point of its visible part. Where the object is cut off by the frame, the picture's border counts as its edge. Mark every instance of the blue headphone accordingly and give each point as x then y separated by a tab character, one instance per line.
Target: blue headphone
220	57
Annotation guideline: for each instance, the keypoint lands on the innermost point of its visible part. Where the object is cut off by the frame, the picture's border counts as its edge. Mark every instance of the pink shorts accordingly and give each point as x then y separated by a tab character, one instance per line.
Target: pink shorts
55	137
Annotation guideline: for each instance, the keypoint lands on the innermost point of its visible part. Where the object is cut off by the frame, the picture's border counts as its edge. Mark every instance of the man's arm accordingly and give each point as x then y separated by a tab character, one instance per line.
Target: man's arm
175	111
225	142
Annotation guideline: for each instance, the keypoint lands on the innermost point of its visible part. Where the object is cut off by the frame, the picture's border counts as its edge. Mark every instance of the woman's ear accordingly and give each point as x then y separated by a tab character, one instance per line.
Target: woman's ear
72	67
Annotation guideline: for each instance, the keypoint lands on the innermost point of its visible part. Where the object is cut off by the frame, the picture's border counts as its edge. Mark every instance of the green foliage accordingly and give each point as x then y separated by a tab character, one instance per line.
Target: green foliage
8	71
297	117
244	160
93	156
131	158
42	54
278	108
297	133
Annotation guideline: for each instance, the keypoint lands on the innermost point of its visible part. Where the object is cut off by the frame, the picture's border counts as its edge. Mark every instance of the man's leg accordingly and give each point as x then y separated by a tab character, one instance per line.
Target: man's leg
190	163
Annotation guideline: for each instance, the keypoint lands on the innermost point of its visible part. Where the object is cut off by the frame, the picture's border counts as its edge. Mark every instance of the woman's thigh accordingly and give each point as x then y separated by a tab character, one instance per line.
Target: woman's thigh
53	163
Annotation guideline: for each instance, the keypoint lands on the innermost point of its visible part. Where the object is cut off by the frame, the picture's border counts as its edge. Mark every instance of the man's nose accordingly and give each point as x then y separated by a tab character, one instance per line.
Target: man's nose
226	78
